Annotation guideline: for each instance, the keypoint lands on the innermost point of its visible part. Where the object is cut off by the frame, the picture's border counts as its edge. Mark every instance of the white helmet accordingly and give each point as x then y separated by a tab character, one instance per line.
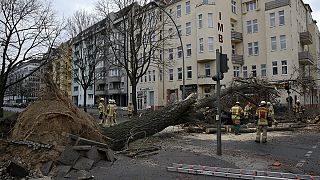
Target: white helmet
262	102
269	103
237	102
101	99
298	100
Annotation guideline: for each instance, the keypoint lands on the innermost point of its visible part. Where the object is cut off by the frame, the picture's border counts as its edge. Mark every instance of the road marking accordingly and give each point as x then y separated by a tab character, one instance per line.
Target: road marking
314	147
299	165
301	162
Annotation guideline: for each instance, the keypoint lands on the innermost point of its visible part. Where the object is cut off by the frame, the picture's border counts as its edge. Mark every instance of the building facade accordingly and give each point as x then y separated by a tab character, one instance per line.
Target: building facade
274	40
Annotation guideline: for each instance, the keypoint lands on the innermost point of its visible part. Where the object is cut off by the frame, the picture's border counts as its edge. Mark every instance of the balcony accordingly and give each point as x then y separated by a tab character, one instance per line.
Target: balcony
203	79
204	60
237	59
100	92
305	58
276	4
114	79
236	37
113	91
305	38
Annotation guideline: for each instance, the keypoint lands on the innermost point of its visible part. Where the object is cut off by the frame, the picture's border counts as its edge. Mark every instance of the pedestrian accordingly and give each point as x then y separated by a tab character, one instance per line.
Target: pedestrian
236	113
110	113
298	109
114	117
248	112
262	115
130	110
101	109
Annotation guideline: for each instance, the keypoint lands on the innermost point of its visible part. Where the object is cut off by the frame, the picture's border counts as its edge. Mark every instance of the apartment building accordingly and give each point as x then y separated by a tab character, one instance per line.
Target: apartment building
275	40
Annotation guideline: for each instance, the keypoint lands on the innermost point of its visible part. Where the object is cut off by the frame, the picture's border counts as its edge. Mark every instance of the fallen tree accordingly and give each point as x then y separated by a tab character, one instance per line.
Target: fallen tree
185	111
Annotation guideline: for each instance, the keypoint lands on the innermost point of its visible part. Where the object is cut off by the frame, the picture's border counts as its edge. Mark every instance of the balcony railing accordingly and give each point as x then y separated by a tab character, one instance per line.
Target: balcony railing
276	4
305	38
236	37
114	79
305	58
237	59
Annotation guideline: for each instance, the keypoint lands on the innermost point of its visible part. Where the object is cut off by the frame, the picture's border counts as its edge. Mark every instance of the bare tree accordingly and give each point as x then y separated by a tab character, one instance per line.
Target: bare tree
89	48
138	34
28	29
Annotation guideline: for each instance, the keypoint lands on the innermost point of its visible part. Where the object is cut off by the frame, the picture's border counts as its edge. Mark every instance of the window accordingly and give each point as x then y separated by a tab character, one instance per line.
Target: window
254	71
160	74
179	11
160	54
245	71
250	49
233	6
188	50
200	44
210	44
154	75
272	19
188	28
149	72
236	71
233	49
256	48
179	73
252	26
171	54
76	88
274	68
205	1
90	96
189	72
145	78
179	30
210	20
200	20
283	42
251	6
284	67
188	10
170	74
281	18
207	70
179	49
263	70
273	43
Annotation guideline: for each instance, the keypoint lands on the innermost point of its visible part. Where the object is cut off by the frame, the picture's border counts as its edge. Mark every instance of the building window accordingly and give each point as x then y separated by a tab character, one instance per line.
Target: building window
179	30
179	73
160	74
200	20
256	48
189	72
179	11
90	96
274	68
233	6
272	19
283	42
284	67
281	18
149	75
179	49
188	50
273	43
263	70
171	54
252	26
188	28
76	88
251	6
245	71
210	20
188	10
145	78
207	70
250	49
254	71
233	49
236	71
210	44
200	44
170	74
154	75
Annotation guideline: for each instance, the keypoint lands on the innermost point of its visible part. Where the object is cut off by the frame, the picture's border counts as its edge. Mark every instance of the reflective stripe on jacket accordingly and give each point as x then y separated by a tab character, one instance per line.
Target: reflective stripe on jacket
263	114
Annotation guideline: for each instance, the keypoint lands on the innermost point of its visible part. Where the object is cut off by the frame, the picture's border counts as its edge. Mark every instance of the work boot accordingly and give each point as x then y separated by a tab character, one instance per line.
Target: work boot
257	141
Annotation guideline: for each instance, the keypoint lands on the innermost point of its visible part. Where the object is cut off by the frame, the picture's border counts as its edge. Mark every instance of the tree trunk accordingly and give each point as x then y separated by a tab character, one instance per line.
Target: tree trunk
134	97
148	124
85	99
1	104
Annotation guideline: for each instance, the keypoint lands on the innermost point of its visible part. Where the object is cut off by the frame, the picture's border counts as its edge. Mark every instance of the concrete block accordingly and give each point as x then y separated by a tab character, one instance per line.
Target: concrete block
69	156
83	164
62	171
94	155
46	168
17	169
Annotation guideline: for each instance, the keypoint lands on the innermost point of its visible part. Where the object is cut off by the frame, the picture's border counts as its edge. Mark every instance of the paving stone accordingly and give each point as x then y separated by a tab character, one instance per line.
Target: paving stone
16	169
46	168
80	175
94	155
69	156
83	164
62	171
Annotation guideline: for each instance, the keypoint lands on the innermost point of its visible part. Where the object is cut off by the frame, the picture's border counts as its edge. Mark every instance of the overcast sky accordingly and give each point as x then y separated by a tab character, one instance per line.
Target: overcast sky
67	7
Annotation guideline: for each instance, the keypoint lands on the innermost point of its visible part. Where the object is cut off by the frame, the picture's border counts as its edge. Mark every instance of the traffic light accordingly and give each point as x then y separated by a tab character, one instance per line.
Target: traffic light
217	77
224	63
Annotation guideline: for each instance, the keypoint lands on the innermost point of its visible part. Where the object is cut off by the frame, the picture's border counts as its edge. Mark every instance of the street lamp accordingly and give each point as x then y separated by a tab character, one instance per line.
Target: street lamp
179	35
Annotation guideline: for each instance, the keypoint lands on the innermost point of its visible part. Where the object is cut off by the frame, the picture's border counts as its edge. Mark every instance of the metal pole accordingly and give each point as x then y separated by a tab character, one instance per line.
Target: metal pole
179	35
218	116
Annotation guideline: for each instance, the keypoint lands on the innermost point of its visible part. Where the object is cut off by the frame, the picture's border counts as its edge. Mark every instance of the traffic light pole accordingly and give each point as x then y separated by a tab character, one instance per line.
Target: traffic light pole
218	116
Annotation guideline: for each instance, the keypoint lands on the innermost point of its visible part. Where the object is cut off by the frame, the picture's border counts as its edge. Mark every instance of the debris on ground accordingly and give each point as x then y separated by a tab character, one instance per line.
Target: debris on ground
141	152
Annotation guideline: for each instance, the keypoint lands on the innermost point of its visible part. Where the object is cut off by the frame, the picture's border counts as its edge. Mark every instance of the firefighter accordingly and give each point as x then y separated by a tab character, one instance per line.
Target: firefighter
110	113
271	113
262	115
236	113
298	109
130	110
248	112
114	117
101	111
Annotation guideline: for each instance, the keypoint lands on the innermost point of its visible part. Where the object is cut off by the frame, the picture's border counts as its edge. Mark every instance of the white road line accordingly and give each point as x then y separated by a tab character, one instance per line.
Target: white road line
314	147
299	165
309	152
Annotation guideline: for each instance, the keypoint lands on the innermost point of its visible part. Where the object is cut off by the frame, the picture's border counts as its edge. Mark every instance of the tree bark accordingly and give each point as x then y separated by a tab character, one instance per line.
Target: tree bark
134	96
1	104
85	99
